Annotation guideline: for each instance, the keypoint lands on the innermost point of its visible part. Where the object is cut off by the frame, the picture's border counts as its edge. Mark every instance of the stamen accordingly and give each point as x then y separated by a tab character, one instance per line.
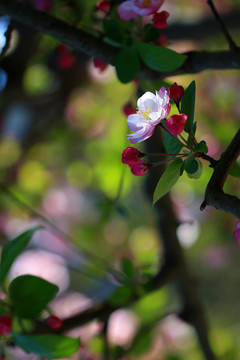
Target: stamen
145	114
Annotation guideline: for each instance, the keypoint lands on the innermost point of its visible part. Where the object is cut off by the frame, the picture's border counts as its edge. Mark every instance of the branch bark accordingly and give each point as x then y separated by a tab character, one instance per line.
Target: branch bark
196	61
214	194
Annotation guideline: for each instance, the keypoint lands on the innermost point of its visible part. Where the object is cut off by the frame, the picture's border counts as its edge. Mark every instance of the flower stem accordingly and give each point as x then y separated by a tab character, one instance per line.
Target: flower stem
183	139
175	137
167	160
161	154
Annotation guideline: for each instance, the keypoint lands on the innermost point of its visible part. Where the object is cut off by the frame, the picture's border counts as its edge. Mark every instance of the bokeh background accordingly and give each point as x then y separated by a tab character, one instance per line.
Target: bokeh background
62	134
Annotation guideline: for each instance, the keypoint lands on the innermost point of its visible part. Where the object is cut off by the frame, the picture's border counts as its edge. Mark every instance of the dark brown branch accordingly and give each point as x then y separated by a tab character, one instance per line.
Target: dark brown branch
214	194
196	61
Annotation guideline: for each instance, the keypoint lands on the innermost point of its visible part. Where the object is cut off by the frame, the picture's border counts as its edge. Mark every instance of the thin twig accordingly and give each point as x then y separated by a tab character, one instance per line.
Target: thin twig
228	37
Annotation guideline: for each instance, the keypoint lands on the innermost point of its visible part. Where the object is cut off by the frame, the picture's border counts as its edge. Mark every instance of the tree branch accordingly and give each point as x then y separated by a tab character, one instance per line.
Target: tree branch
196	61
214	194
101	311
192	307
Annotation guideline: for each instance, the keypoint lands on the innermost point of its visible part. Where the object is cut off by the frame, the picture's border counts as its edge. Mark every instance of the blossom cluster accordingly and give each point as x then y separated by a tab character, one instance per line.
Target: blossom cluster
152	109
130	9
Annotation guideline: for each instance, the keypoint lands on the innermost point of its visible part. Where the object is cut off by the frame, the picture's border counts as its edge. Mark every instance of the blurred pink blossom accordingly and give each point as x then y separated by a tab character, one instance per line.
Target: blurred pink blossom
131	8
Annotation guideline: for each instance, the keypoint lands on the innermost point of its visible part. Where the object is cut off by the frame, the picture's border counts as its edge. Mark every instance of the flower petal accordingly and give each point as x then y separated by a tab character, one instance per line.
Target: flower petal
126	11
142	134
175	124
134	121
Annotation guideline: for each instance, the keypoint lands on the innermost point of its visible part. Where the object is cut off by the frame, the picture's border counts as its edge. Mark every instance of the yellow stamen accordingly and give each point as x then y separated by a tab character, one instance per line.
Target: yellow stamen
145	114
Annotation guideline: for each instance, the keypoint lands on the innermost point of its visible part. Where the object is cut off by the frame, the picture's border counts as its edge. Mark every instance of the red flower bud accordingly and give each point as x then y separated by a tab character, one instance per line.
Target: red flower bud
104	6
162	40
130	156
176	92
66	61
160	20
5	325
140	168
175	124
128	109
54	322
99	64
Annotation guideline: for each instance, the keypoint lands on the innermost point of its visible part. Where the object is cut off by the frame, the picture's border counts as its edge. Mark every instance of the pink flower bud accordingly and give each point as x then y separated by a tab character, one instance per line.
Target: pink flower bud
140	168
54	322
175	124
104	6
160	20
128	109
5	325
176	92
99	64
130	156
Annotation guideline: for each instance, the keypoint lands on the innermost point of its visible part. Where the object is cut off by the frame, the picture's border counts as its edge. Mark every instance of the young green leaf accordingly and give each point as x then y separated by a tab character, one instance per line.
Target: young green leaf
47	346
121	296
127	64
142	341
201	147
30	295
188	105
114	30
159	58
128	268
168	179
171	145
194	169
14	248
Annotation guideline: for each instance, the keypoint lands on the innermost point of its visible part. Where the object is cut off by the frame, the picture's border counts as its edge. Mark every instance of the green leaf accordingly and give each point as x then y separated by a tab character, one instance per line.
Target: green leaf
192	166
127	64
48	346
235	170
201	147
159	58
30	295
121	296
114	30
194	169
128	268
142	341
188	106
151	34
171	145
12	249
168	179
